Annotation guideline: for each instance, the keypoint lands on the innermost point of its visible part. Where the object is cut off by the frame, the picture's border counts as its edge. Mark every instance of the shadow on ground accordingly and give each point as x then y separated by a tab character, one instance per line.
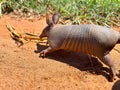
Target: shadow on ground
77	60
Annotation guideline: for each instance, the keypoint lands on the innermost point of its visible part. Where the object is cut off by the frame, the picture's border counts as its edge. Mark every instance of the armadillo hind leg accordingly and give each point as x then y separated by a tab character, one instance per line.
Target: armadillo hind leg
107	60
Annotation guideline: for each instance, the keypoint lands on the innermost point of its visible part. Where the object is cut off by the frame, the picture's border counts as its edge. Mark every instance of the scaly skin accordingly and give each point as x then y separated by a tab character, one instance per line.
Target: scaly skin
90	39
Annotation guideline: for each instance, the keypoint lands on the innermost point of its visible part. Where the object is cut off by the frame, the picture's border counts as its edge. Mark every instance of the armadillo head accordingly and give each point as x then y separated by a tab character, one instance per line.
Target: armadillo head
50	24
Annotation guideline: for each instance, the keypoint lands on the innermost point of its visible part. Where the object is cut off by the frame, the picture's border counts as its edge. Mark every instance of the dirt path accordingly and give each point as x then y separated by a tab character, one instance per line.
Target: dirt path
23	69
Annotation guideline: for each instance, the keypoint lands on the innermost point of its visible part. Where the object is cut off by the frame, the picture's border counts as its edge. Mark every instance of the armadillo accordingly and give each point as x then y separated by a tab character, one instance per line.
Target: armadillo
89	39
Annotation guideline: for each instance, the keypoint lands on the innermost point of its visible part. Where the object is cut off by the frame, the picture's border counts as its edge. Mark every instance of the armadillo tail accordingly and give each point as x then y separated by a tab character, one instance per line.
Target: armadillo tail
118	38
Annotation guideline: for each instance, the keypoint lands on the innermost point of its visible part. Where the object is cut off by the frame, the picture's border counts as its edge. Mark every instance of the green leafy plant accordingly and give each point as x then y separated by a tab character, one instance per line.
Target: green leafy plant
77	11
1	8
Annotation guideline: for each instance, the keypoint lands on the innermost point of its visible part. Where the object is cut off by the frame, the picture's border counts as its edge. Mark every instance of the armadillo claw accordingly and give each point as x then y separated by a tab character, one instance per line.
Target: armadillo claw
42	54
113	78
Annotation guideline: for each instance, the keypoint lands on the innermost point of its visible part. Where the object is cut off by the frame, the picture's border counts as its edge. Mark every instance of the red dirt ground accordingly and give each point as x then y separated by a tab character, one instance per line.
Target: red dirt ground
23	69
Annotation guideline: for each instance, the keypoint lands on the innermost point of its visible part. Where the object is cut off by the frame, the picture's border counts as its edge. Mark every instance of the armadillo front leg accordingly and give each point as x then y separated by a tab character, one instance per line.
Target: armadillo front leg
108	61
44	52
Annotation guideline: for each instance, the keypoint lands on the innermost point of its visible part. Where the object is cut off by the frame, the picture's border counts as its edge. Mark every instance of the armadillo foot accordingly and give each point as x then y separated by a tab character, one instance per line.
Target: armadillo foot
113	78
42	54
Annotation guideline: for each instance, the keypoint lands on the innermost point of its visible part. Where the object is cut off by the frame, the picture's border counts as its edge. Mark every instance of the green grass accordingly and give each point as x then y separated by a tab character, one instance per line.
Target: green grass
77	11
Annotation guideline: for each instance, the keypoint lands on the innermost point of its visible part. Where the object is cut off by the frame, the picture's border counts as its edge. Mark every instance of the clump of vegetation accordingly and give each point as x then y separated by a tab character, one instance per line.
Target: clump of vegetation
77	11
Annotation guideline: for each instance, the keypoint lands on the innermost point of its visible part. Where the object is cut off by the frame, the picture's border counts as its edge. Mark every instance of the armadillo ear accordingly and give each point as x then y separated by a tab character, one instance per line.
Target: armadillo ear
48	20
55	18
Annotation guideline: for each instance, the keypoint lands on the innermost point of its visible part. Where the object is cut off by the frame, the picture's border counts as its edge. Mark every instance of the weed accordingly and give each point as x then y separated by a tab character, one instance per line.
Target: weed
77	11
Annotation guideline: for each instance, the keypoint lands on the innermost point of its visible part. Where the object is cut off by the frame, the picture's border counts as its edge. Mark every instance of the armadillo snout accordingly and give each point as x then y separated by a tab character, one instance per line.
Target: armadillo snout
41	36
45	32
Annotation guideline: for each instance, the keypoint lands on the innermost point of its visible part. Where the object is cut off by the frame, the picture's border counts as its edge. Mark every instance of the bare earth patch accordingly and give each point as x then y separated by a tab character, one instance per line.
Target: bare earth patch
23	69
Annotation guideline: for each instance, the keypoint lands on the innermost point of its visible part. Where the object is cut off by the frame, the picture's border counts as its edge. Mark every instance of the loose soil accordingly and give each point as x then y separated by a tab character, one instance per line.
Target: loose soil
21	68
